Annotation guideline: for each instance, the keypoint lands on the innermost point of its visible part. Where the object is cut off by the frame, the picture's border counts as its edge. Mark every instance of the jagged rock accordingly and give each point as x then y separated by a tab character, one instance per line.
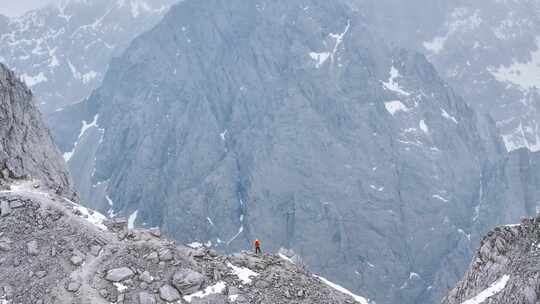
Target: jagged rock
155	231
5	209
146	298
165	254
187	281
41	274
153	256
119	274
146	277
168	293
95	249
16	204
76	260
32	247
73	286
27	148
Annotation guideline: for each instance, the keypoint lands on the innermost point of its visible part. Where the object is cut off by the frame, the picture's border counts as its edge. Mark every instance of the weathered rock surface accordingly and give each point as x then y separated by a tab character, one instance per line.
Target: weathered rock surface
121	273
26	147
290	122
505	269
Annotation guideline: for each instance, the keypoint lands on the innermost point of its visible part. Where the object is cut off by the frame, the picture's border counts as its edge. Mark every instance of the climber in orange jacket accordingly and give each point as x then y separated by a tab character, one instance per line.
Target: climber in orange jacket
257	246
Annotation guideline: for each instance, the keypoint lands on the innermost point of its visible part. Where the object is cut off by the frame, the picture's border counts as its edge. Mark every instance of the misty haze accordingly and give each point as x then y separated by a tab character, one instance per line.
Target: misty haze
257	151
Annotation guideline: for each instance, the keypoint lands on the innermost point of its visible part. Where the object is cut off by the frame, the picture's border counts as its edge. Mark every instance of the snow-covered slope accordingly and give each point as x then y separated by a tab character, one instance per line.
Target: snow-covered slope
62	51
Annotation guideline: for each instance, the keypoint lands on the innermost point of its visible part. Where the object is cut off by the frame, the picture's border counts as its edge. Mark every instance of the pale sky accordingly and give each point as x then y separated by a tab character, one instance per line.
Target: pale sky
19	7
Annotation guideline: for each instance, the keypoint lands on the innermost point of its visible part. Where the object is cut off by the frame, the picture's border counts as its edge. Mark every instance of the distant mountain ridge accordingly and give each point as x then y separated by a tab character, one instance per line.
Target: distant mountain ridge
62	51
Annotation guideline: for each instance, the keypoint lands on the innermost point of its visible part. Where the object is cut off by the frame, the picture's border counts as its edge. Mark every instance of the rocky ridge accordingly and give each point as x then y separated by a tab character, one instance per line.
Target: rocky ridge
26	146
55	251
505	268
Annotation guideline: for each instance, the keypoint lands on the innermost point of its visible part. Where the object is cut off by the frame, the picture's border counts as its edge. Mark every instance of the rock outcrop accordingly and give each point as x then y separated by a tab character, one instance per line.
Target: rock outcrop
505	269
26	147
43	232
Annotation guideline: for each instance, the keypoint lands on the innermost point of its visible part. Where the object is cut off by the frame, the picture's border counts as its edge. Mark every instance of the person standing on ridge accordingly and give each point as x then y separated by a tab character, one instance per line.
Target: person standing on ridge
257	246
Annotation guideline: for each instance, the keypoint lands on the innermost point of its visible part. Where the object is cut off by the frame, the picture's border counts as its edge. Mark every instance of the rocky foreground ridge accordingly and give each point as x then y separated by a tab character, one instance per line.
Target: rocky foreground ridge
506	268
55	251
26	146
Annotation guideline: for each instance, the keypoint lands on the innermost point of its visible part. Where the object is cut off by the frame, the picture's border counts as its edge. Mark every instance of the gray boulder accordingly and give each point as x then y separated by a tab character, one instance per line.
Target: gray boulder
146	298
168	293
187	281
119	274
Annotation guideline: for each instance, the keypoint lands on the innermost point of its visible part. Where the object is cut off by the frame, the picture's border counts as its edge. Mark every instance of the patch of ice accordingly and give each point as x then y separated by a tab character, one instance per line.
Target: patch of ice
423	126
223	134
342	289
320	58
286	258
448	116
436	196
110	212
219	287
395	106
392	84
519	138
195	245
132	218
492	290
243	273
93	217
120	287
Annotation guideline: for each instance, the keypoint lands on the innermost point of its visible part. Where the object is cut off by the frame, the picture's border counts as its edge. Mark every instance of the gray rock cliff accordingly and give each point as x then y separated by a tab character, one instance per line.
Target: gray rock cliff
505	268
291	122
26	147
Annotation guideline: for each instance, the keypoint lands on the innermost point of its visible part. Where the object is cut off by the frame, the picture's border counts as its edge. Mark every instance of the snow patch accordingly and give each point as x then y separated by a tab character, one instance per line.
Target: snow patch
448	116
91	216
526	75
320	58
120	287
519	139
423	126
395	106
195	245
219	287
392	84
436	196
492	290
132	218
341	289
243	273
34	80
286	258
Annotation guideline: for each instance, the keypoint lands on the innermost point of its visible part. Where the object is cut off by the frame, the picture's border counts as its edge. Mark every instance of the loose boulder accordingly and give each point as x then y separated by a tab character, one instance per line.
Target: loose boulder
119	274
187	281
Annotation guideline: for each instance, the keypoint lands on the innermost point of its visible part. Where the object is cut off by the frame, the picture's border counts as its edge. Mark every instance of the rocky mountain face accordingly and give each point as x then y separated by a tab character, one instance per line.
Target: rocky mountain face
292	122
487	50
62	51
505	268
26	147
55	251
